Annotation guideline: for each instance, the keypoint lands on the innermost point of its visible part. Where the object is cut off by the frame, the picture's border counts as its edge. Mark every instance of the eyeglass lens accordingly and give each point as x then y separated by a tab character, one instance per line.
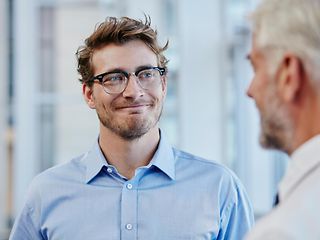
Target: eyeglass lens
117	82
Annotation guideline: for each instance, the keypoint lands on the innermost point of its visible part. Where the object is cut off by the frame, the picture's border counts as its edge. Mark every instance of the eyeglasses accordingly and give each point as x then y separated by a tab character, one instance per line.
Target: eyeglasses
115	82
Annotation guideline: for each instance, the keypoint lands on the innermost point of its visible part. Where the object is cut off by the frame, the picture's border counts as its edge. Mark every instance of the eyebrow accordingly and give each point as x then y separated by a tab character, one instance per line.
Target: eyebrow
143	67
114	70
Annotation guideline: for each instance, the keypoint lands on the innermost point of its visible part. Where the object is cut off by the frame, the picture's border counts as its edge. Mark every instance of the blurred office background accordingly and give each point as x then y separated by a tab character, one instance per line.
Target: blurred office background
44	120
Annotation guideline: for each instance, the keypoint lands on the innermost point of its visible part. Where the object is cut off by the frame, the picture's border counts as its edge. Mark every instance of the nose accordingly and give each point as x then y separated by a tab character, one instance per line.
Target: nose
133	88
250	91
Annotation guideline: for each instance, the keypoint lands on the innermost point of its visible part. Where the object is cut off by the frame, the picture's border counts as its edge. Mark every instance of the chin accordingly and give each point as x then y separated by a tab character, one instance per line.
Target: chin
272	141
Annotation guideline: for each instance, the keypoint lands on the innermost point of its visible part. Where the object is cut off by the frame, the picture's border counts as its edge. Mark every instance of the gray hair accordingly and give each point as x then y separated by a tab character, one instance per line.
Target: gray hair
290	25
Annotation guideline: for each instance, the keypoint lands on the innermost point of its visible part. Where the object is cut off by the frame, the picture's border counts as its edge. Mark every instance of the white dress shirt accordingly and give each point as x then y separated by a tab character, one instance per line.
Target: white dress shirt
297	216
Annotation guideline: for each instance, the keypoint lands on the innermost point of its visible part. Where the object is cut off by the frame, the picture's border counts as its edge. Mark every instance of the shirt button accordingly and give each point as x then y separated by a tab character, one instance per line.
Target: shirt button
109	170
129	186
128	226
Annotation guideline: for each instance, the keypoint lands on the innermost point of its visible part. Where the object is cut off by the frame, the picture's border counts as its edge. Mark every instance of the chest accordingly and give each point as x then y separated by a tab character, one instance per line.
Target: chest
167	211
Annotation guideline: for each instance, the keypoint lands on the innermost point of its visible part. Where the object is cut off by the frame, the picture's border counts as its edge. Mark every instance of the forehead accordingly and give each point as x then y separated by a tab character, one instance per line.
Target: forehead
127	56
255	52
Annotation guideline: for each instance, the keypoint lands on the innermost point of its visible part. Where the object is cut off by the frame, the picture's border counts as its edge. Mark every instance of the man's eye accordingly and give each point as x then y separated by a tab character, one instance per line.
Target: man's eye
114	78
146	74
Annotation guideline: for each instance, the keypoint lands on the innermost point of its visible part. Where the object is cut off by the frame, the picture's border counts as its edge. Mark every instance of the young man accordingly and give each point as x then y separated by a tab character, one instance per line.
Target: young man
286	89
131	184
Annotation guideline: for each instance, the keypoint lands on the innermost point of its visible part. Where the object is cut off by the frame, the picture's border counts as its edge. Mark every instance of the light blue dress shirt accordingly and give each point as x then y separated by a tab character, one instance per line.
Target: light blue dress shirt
177	196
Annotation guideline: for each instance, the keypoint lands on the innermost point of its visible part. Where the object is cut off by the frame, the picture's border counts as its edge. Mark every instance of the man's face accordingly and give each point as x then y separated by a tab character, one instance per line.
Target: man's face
135	111
276	124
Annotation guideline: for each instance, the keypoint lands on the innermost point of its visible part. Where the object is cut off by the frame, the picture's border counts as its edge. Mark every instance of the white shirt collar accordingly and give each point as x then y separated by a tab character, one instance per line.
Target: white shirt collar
303	160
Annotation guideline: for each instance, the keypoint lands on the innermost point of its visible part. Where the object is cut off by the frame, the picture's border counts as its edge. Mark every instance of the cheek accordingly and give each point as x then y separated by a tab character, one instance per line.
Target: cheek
102	101
157	95
260	82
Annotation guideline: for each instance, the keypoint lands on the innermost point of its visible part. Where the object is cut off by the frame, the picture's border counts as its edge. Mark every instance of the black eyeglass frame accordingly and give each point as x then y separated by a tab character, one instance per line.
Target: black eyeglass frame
99	77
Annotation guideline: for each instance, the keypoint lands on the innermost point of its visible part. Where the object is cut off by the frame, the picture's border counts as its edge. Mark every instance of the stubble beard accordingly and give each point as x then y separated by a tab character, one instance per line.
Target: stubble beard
131	127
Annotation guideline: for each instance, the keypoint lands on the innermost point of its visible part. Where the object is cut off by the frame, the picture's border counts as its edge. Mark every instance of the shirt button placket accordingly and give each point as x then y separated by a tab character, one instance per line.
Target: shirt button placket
129	211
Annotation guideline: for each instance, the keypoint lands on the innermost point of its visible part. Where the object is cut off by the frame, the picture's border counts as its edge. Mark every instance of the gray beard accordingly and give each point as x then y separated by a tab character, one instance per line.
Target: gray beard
276	126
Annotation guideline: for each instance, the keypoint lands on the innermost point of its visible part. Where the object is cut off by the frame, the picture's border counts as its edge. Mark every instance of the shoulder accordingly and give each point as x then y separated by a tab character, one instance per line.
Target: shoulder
56	178
189	158
292	219
73	169
210	174
219	184
295	216
185	160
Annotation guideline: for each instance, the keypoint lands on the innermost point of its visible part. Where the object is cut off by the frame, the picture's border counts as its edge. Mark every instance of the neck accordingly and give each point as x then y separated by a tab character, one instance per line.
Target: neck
128	155
307	121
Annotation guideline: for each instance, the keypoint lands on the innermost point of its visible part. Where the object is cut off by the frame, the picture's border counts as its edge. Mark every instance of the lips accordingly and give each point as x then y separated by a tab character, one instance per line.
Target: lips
136	105
133	108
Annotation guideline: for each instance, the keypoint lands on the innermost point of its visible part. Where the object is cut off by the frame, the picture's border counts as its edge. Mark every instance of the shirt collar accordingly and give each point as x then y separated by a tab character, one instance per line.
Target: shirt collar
163	159
303	160
94	161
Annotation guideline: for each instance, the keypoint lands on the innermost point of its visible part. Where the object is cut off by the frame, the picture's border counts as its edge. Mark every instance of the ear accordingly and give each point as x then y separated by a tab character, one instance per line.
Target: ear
87	93
291	77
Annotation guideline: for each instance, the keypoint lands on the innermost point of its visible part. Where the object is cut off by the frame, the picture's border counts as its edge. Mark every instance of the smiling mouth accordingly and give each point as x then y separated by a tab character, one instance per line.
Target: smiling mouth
136	106
134	109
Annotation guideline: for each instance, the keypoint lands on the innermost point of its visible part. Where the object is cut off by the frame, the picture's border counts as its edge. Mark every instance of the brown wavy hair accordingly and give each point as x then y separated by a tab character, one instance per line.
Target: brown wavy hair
118	31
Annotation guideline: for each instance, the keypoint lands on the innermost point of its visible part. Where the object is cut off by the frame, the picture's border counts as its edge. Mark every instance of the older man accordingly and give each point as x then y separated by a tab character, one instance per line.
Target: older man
286	89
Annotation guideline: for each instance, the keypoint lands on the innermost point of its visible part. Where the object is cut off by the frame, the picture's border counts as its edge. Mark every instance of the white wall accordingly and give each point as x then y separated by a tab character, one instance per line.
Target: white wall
201	73
3	112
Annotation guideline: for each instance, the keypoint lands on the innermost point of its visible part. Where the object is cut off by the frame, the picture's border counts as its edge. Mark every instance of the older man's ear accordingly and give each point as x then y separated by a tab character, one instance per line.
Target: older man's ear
291	78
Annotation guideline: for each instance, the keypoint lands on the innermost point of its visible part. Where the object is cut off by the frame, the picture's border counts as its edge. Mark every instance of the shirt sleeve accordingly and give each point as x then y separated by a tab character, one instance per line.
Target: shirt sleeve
27	223
237	217
26	226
